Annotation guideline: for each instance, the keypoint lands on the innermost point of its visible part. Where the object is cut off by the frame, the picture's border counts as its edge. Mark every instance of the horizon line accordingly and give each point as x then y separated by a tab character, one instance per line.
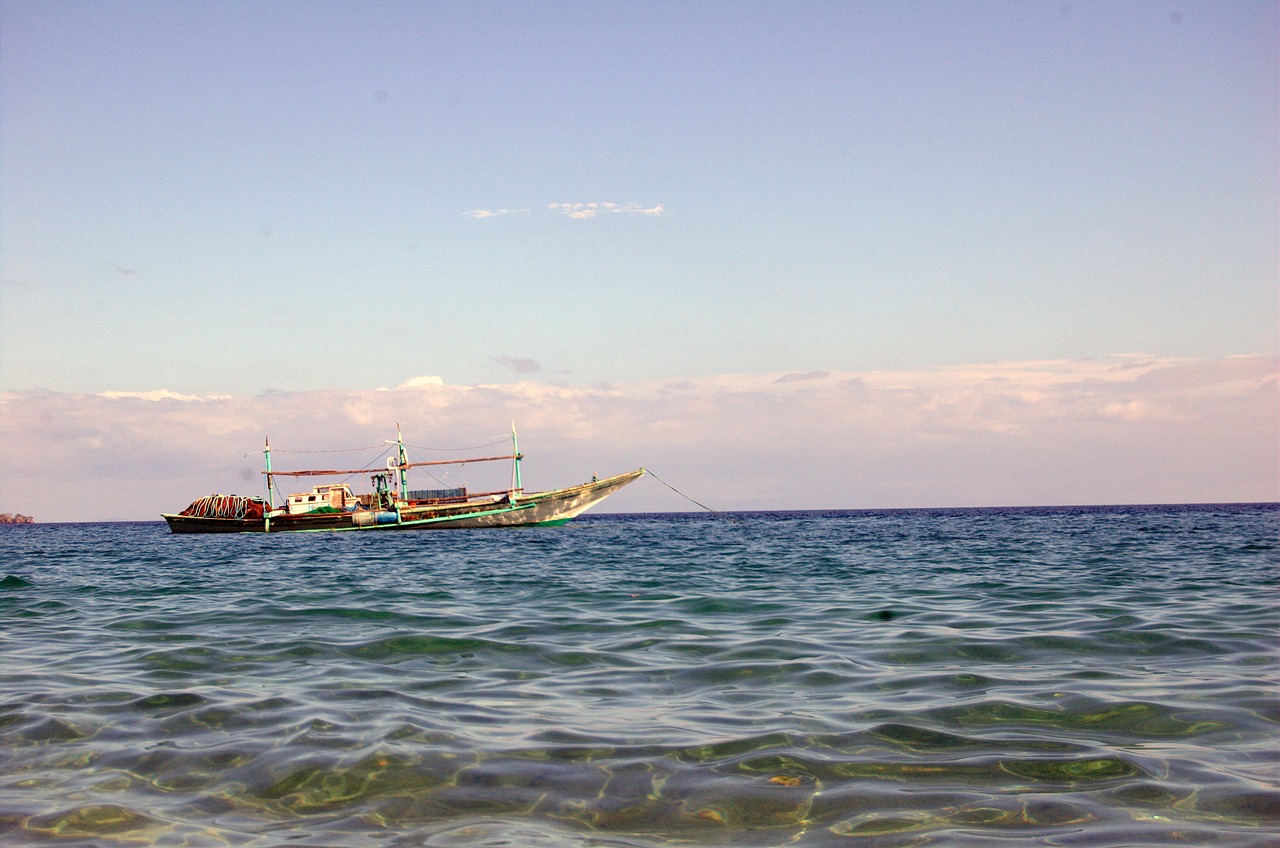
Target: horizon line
711	514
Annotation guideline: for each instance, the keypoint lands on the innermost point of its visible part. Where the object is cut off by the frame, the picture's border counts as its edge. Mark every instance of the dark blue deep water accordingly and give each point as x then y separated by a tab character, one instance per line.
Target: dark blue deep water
1092	676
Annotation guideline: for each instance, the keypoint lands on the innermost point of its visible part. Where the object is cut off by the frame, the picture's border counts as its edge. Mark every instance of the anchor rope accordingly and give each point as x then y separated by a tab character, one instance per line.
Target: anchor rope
714	512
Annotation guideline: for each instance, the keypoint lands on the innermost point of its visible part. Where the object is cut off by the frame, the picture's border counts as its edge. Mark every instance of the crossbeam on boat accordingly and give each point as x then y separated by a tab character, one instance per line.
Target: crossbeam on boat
330	472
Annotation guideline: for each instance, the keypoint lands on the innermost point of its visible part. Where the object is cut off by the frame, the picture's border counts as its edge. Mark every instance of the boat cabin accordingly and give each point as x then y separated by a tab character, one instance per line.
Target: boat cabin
334	496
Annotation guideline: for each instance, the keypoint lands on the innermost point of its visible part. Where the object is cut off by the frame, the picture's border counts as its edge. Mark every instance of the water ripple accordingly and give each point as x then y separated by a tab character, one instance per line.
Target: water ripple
1091	677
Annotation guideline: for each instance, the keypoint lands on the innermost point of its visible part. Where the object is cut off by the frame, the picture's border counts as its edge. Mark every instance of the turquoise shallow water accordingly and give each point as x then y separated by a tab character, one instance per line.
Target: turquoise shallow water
1090	676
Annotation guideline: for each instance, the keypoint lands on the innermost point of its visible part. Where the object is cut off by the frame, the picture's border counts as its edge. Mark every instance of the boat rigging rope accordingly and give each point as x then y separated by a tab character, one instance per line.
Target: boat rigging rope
442	483
495	440
369	466
331	450
714	512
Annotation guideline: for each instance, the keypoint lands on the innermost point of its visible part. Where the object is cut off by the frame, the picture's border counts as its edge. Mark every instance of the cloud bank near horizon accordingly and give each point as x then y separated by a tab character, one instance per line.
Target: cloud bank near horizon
1116	430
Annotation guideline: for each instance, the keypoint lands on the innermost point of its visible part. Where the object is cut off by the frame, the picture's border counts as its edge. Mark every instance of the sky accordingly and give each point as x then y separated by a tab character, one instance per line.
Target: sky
787	256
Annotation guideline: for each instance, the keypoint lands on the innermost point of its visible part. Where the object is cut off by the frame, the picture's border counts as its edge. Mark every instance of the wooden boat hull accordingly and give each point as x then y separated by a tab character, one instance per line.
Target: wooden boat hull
528	510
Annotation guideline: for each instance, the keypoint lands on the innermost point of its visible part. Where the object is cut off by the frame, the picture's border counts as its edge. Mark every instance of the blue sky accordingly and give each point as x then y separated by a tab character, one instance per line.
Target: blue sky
239	197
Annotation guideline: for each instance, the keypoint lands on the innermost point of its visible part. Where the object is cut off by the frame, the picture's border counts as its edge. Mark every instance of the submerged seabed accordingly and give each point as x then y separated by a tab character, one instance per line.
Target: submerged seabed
1101	677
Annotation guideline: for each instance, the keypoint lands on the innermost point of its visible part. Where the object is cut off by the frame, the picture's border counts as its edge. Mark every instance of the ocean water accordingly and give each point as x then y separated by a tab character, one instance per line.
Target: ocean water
1088	676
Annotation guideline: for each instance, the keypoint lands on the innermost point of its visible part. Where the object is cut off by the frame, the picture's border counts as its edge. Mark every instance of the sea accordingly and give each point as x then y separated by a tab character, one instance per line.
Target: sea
1086	676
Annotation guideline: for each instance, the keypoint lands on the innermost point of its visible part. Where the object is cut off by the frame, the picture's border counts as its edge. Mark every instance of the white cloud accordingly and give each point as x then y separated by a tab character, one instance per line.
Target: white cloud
583	211
577	211
1112	430
480	214
422	382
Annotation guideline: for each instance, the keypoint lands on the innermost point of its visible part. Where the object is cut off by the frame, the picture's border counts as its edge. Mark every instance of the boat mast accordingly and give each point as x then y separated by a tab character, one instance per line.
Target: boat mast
266	514
266	451
404	464
517	487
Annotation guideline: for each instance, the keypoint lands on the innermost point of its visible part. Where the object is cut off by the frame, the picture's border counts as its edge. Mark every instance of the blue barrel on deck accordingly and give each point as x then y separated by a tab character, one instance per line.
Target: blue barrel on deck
386	518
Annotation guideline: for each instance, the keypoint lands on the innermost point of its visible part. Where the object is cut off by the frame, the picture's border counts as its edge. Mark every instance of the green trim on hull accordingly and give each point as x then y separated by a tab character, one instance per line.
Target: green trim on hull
409	525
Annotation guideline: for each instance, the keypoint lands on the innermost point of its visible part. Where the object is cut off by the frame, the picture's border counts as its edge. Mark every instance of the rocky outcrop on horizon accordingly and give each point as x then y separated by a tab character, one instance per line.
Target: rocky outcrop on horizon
6	518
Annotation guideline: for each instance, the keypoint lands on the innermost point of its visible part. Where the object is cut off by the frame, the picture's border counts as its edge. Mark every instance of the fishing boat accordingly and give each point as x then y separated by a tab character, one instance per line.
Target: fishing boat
391	504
